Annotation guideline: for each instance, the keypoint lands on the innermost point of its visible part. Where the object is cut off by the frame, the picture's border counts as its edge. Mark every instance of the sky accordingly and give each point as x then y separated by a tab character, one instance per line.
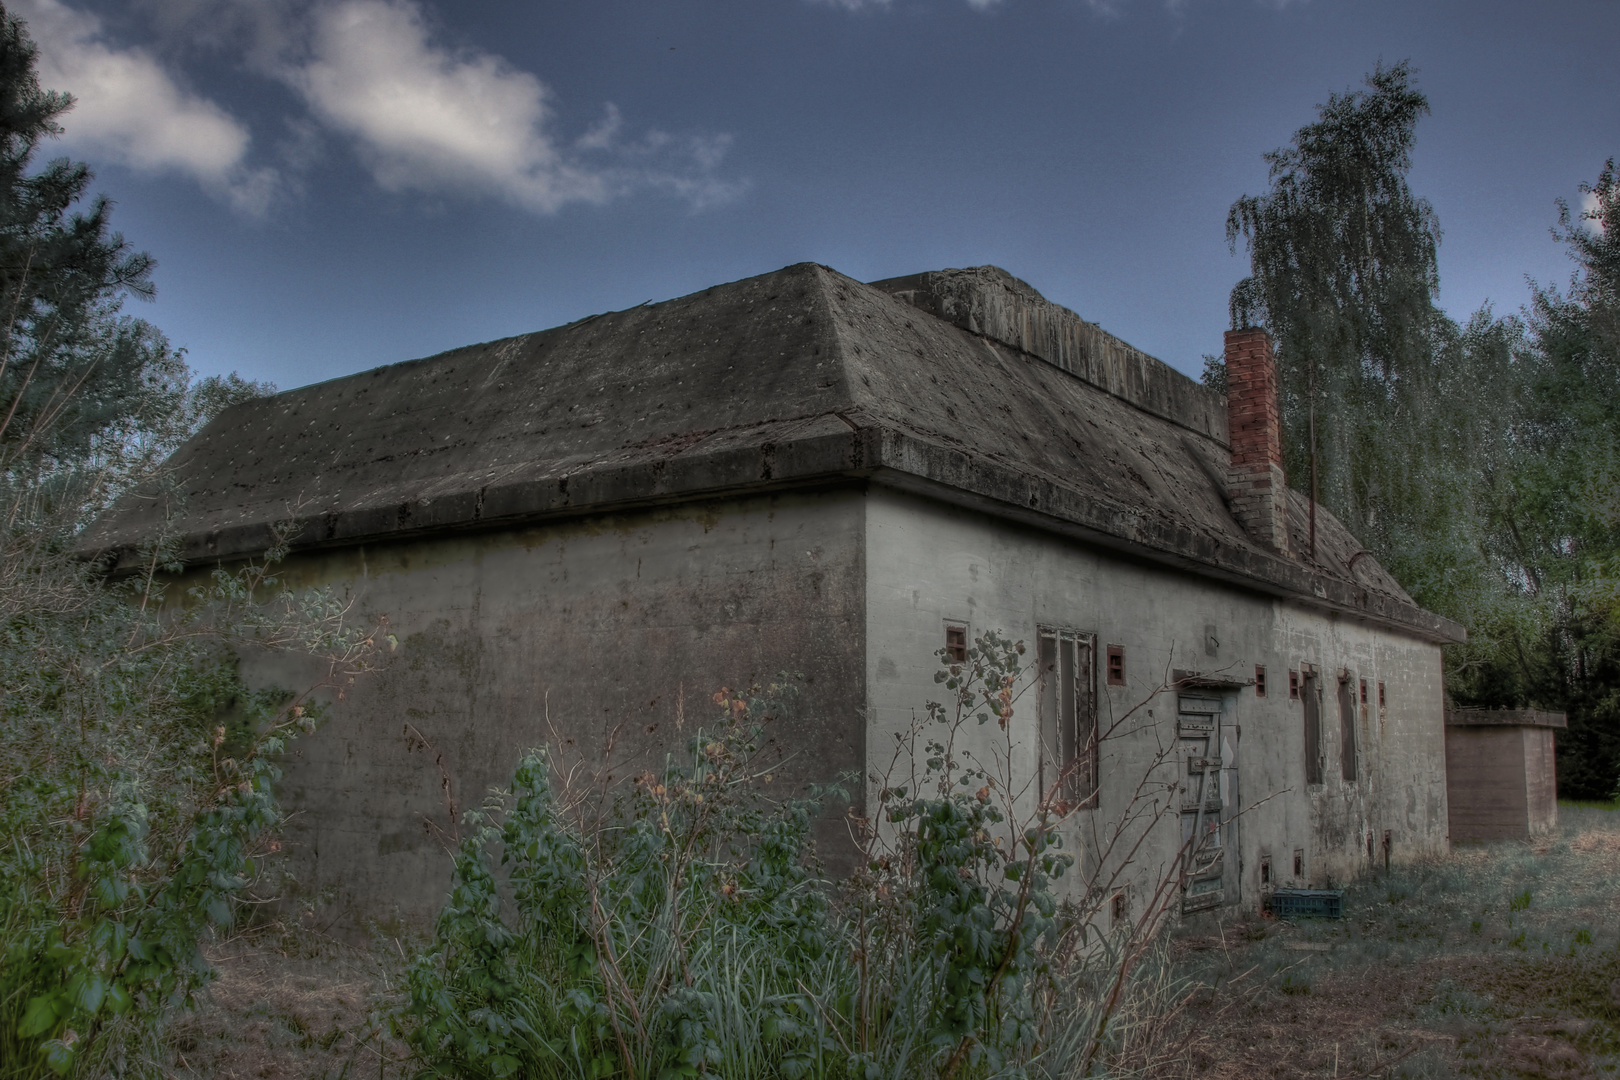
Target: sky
331	185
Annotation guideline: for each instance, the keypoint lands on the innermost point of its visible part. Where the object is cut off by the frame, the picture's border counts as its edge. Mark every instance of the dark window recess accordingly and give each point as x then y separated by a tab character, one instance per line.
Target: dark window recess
1311	697
1347	729
1119	908
1259	681
1381	703
1364	691
1293	686
1116	665
1265	869
1068	716
1299	862
956	644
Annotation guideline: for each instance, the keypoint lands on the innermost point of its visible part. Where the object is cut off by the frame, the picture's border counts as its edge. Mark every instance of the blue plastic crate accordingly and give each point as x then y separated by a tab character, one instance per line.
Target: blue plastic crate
1307	903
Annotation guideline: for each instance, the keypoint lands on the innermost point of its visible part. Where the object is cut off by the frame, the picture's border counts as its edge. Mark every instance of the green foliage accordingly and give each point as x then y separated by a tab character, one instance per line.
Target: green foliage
1344	276
136	792
1480	463
678	927
130	816
1568	495
658	932
1399	421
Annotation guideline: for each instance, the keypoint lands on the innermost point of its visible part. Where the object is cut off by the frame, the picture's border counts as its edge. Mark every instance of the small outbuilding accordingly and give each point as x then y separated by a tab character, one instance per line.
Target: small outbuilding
1500	778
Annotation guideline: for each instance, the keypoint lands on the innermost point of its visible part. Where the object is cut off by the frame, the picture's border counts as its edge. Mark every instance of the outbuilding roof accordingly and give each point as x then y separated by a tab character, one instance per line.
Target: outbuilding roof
965	385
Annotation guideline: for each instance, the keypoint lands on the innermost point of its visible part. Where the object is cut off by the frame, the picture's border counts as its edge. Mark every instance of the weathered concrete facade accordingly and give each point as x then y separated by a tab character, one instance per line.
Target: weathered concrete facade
614	626
586	530
929	565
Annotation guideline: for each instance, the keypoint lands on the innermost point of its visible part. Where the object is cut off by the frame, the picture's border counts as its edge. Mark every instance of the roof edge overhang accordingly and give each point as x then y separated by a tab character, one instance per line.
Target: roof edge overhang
1467	717
800	454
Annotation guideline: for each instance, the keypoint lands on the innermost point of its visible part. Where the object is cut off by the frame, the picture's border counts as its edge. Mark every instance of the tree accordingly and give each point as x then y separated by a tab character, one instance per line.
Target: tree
1563	506
1410	428
1343	274
137	783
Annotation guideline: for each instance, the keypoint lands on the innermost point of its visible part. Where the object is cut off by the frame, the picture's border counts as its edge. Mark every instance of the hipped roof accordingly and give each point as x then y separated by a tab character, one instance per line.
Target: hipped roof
966	386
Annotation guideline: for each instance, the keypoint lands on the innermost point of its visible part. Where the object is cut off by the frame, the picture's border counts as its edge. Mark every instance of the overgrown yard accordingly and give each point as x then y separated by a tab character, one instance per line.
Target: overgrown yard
1501	961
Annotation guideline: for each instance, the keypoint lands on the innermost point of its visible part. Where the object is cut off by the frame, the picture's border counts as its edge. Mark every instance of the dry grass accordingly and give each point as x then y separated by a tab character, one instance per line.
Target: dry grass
1500	961
289	1004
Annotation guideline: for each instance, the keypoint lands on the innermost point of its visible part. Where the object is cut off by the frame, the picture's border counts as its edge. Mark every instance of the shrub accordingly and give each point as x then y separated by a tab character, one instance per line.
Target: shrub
130	815
678	926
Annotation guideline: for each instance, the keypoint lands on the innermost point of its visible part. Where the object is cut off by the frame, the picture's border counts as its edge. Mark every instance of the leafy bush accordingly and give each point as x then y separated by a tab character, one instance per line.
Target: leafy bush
678	926
130	816
136	784
662	931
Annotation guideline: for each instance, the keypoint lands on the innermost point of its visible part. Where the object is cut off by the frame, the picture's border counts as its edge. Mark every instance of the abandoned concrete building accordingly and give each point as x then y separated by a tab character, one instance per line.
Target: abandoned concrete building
600	524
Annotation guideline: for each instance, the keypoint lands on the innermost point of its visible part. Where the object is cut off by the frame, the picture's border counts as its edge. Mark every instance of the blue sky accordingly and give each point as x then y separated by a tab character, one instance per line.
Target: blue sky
329	185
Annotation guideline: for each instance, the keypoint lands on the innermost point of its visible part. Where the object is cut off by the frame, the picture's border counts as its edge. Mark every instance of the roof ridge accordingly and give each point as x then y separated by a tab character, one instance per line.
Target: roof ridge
992	303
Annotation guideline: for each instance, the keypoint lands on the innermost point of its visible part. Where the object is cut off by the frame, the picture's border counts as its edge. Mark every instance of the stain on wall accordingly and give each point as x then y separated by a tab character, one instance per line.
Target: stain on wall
616	627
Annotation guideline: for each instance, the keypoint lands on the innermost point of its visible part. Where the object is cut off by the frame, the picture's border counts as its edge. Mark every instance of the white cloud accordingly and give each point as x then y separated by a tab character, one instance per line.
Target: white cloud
1589	217
130	111
427	118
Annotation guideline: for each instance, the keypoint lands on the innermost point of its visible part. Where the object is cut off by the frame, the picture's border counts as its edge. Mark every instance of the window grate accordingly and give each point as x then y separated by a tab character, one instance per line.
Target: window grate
1068	715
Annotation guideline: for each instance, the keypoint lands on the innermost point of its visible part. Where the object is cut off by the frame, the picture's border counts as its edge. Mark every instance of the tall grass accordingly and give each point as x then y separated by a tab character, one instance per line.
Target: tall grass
679	927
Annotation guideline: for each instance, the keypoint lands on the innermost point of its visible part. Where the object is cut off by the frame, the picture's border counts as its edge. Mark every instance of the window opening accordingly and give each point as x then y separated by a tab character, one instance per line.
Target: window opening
1259	681
1381	695
1293	685
956	643
1311	697
1116	665
1068	716
1265	869
1364	691
1119	908
1299	862
1347	730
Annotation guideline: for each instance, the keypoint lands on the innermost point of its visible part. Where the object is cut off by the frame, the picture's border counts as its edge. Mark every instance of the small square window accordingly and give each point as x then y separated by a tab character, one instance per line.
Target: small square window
1259	681
1299	862
1381	701
1116	665
956	644
1265	869
1364	691
1293	685
1119	908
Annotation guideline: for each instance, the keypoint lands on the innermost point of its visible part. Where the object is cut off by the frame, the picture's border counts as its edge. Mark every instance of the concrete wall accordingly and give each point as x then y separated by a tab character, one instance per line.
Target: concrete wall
1500	781
929	564
629	620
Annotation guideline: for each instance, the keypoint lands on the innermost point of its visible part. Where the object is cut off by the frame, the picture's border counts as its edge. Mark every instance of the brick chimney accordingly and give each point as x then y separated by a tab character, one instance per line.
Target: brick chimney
1257	488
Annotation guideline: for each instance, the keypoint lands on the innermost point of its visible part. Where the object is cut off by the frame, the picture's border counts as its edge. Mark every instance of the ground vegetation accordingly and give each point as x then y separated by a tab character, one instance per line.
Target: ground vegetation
680	926
136	768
